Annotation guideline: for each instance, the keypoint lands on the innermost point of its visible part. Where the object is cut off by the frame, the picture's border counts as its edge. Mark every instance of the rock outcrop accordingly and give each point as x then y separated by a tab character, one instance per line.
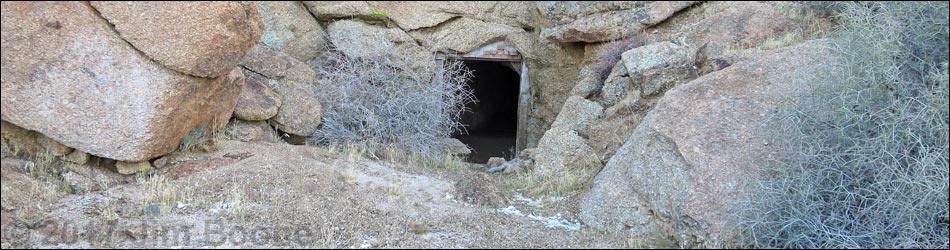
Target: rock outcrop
413	15
737	24
654	67
335	10
355	39
579	21
683	168
562	150
552	71
204	39
463	35
290	28
300	111
251	131
257	101
130	168
69	75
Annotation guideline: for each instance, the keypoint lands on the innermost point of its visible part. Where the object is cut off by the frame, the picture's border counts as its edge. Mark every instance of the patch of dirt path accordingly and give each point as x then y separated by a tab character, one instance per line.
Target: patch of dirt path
277	195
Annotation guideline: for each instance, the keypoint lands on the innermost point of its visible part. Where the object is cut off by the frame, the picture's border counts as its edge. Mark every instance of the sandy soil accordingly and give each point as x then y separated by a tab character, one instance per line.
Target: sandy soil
277	196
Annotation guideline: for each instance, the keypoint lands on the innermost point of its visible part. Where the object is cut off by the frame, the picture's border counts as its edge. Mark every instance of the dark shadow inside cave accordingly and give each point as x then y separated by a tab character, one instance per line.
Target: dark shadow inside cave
491	125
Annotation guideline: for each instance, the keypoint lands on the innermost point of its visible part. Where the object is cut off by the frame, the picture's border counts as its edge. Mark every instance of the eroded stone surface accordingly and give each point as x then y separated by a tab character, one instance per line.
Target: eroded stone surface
685	164
580	21
68	75
257	101
203	39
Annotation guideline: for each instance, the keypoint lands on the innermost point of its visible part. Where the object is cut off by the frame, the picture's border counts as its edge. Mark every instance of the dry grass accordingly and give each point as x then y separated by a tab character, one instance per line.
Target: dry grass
444	163
811	16
308	184
31	188
397	157
654	242
33	199
392	187
158	193
235	201
199	138
535	185
348	178
42	162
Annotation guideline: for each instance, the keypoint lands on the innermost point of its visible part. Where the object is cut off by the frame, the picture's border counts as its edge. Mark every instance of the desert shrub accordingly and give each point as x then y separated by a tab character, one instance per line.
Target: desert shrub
868	150
397	95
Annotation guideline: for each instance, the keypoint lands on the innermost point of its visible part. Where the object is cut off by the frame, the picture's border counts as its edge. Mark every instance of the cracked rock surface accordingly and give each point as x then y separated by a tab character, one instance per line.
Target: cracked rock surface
70	76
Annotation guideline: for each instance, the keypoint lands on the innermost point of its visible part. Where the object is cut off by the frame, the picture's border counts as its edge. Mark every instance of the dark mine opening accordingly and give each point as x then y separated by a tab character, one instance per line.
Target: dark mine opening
492	121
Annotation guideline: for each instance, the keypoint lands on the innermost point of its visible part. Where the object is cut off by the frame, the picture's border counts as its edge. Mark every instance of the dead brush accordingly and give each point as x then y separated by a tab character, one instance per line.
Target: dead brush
867	162
389	94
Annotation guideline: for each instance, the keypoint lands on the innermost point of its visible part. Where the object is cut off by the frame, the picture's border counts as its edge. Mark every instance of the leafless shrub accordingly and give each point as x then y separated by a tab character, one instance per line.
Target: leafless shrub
869	167
378	92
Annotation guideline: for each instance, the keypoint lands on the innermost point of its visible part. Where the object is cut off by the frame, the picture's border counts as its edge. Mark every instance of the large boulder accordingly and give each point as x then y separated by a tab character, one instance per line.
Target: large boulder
290	28
589	82
68	75
300	111
646	71
616	86
251	131
683	169
257	101
203	39
654	67
563	150
729	25
580	21
608	133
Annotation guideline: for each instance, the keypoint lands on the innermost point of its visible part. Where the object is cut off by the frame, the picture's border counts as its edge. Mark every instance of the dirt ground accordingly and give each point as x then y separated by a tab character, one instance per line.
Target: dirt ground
283	196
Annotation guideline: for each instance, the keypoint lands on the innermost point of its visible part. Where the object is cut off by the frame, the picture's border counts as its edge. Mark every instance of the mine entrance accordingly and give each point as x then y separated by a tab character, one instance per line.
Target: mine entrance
499	83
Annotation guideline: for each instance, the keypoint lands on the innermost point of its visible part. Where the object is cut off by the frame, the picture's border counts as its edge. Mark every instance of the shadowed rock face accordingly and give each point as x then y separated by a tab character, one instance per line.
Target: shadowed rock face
69	75
686	163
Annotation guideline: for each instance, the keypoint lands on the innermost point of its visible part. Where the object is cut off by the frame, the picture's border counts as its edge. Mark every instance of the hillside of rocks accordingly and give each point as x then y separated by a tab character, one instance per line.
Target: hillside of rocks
191	124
